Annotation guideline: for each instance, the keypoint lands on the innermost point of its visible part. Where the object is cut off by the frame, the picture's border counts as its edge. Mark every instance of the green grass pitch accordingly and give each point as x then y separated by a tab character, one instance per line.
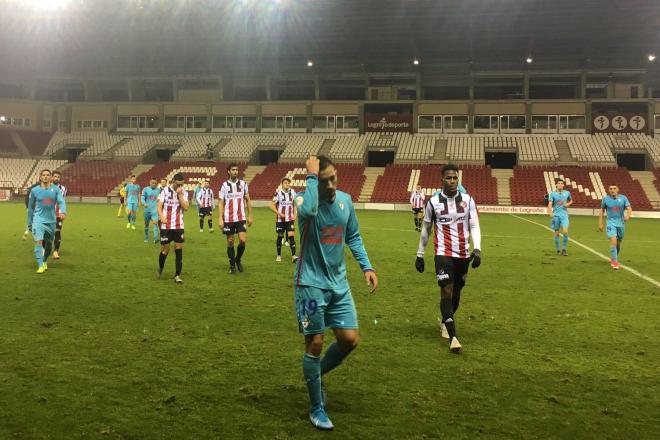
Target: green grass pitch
554	347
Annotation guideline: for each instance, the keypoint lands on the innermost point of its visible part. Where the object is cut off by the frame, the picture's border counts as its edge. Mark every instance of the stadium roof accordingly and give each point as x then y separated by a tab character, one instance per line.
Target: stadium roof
207	37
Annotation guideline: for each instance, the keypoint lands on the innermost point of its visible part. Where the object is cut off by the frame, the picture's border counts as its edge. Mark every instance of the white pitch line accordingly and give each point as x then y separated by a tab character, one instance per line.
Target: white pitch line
507	236
598	254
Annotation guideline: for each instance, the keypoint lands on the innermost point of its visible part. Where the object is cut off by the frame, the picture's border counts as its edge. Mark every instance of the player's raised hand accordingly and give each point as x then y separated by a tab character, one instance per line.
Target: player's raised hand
312	165
372	280
419	264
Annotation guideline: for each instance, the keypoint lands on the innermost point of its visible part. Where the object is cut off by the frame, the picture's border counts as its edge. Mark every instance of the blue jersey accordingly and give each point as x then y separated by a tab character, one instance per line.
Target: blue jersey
324	228
41	205
559	199
616	208
150	198
195	192
132	193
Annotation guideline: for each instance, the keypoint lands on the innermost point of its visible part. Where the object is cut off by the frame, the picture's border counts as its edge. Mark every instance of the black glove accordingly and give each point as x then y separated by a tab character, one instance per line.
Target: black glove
475	256
419	264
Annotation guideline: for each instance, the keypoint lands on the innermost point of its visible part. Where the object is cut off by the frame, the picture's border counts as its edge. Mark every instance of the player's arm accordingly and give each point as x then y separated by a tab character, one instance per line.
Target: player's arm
354	241
308	205
429	217
30	205
61	203
248	202
600	216
144	196
412	197
182	194
628	211
273	206
159	207
295	210
569	200
550	206
475	232
221	208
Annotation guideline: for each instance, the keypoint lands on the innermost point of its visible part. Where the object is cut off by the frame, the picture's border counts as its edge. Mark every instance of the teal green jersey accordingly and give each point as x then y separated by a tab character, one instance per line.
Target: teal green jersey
41	204
324	229
196	191
616	208
150	198
132	193
559	199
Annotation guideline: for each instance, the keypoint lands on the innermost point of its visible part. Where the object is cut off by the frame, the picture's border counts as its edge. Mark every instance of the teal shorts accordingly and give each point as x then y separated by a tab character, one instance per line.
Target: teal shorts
132	206
43	231
150	216
320	309
615	231
559	222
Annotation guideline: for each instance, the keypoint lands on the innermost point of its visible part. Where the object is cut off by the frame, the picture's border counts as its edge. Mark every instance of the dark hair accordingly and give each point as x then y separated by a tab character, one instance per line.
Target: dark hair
231	165
178	176
287	179
325	162
132	175
56	172
448	167
153	178
558	179
613	184
45	169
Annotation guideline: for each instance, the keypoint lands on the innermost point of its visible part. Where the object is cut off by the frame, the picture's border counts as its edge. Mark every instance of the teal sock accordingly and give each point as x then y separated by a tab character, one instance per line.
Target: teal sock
312	373
128	216
133	219
39	254
613	253
565	243
557	242
332	359
146	232
155	232
48	247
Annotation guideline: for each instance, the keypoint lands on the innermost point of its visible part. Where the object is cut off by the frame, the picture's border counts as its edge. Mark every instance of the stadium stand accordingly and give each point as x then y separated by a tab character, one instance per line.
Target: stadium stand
350	178
536	148
348	148
398	180
196	145
653	147
465	148
587	148
49	164
15	171
36	142
95	177
299	148
138	145
242	147
587	185
216	172
656	182
7	144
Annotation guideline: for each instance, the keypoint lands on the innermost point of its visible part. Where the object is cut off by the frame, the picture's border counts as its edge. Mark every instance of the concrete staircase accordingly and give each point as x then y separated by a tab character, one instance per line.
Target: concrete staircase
565	157
251	171
20	145
139	169
371	174
646	178
439	153
503	187
325	147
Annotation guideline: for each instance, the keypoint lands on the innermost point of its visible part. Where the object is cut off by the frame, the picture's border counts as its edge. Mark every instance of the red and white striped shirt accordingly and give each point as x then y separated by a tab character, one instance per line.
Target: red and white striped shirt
205	198
172	209
453	218
233	195
62	188
417	199
284	204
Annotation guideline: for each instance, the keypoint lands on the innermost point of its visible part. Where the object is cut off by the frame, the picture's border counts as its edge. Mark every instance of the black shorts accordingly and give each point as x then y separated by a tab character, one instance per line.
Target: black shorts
121	200
58	224
171	235
285	226
417	210
234	228
203	212
451	270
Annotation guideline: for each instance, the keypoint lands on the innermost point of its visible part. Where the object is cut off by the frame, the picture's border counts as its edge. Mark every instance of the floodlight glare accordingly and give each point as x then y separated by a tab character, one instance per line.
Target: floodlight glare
529	60
651	57
3	119
416	62
47	5
310	63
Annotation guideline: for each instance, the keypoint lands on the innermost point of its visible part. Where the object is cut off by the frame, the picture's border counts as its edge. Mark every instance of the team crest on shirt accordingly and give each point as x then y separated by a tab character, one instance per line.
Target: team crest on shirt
299	200
305	322
341	205
464	204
